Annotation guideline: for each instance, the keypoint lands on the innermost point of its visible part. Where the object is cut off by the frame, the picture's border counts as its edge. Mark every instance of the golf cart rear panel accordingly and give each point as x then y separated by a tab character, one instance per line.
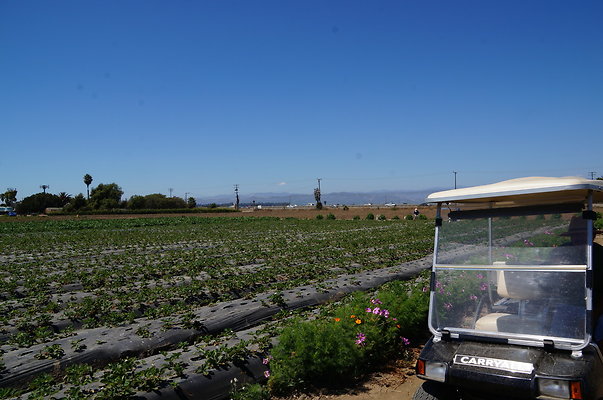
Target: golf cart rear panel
511	306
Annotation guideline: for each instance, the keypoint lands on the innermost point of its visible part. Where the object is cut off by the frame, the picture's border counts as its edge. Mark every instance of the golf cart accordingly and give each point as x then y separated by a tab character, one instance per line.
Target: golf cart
516	293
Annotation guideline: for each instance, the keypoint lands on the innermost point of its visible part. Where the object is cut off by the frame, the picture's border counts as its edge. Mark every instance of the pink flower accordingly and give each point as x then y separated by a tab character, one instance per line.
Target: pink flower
447	306
360	338
266	360
376	301
473	297
405	341
267	374
483	286
376	310
385	313
480	276
425	289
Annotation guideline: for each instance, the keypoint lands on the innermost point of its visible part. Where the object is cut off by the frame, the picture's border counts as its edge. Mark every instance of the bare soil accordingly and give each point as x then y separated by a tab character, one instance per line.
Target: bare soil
281	212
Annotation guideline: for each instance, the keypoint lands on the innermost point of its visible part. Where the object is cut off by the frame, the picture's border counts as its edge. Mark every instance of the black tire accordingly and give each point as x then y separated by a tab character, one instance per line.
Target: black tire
430	390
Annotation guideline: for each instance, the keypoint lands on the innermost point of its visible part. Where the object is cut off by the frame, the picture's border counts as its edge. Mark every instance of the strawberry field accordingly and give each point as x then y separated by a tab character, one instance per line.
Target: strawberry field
166	299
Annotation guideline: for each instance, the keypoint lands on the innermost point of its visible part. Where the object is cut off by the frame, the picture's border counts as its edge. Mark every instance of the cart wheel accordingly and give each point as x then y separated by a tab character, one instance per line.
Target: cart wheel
430	390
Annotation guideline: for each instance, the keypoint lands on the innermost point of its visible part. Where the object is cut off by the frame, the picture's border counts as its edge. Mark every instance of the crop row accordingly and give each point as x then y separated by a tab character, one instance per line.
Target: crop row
61	275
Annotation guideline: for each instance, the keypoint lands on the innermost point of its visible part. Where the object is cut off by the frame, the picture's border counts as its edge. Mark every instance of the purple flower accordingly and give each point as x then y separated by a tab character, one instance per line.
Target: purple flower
360	338
425	289
507	256
528	243
376	310
368	309
376	301
267	374
266	360
405	341
483	286
385	313
480	276
473	297
439	285
448	306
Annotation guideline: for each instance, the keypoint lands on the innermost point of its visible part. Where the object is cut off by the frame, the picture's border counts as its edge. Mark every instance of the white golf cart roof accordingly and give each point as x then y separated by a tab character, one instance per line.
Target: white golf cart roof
525	191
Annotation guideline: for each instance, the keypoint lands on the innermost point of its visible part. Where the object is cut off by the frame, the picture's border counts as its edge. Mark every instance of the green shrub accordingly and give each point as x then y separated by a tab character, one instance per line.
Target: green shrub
330	216
318	351
422	217
409	217
356	217
370	216
320	216
395	217
353	339
381	217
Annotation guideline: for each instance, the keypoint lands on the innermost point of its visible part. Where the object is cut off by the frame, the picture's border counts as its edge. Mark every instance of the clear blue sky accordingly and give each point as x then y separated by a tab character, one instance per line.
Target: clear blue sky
367	95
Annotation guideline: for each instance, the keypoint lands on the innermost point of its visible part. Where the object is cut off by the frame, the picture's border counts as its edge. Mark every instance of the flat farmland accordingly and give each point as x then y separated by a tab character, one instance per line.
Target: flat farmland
72	289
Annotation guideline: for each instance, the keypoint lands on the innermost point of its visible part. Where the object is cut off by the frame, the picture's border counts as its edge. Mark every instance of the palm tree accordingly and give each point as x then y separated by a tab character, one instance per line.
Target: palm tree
88	181
64	198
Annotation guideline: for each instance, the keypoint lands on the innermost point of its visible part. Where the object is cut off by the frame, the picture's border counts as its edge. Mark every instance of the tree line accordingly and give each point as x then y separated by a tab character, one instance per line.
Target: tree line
103	197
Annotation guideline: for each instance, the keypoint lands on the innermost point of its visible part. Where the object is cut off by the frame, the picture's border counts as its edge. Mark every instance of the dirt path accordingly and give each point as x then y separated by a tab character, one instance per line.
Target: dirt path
382	387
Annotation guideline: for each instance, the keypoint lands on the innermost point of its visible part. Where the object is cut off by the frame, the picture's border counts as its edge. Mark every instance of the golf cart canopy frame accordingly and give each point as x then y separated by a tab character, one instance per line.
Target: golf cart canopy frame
517	197
525	191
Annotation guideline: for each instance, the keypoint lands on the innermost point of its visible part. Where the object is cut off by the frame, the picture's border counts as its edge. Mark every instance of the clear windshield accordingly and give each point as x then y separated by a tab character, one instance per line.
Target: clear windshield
512	275
533	240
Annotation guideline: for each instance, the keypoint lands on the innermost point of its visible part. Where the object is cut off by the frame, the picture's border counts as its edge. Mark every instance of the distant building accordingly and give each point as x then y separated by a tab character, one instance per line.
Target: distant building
6	210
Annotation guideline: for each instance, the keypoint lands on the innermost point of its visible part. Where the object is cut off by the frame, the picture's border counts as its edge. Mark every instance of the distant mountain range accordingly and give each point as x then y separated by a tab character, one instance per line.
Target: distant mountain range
347	198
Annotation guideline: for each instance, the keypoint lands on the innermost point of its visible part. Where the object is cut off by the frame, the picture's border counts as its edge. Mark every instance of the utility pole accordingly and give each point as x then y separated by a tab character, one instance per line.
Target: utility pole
236	187
317	195
186	196
454	172
592	175
171	190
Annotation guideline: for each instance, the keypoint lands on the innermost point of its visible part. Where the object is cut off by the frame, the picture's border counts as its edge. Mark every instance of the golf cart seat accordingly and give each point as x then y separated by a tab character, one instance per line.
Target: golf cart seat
518	286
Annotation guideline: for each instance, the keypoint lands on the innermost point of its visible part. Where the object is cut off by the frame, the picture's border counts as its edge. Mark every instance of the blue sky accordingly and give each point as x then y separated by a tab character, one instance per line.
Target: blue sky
201	95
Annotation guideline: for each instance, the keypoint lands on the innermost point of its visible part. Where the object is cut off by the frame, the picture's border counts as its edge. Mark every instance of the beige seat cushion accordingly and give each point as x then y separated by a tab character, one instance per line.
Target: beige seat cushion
511	323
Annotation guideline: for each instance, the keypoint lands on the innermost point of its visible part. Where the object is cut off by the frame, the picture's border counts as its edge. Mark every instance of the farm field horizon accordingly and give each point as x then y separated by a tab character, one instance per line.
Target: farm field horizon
341	213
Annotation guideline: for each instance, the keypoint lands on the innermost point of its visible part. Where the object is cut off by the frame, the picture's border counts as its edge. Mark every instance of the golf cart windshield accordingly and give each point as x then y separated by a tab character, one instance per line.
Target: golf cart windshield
516	273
